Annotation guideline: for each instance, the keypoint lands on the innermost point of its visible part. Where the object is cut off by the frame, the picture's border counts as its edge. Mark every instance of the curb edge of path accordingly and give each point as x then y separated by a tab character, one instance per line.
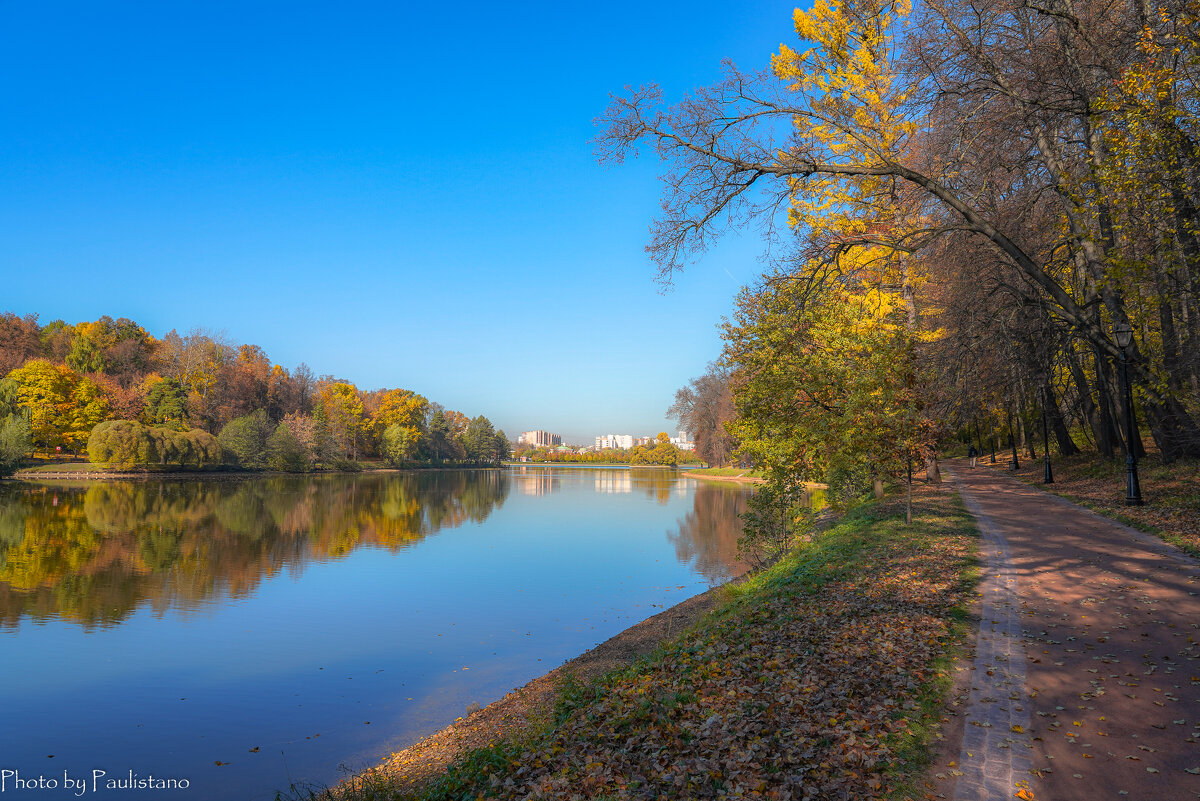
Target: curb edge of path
993	759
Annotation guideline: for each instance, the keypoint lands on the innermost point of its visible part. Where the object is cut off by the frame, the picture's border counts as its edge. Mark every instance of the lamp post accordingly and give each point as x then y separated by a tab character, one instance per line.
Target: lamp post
1043	377
1047	473
1133	489
1012	441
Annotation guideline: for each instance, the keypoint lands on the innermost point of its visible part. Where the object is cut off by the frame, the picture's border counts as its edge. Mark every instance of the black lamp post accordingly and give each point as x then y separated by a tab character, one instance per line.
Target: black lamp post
1047	473
1012	441
1133	489
992	443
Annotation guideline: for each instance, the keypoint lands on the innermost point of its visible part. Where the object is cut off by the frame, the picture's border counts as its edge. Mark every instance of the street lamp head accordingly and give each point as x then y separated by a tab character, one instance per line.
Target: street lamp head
1124	335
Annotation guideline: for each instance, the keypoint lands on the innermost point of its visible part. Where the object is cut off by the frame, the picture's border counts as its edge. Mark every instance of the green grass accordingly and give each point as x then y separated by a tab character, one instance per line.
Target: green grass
65	467
727	471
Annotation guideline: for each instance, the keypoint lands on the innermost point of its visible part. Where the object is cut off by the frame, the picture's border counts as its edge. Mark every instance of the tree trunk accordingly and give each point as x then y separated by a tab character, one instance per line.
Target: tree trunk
908	507
1107	416
1087	406
1066	445
1026	440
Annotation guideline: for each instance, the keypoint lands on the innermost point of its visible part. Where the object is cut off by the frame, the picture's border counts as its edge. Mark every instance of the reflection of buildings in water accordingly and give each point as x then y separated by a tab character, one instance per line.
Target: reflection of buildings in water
614	482
535	480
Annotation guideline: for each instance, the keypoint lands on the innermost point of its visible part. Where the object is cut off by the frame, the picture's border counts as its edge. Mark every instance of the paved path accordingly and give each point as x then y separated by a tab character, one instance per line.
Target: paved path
1086	681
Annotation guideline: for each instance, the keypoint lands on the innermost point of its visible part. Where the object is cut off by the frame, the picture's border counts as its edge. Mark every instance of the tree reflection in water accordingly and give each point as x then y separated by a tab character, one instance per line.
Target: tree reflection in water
93	554
707	536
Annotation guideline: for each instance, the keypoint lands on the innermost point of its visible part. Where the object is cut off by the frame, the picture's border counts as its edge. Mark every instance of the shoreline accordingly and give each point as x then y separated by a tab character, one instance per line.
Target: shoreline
183	475
26	474
727	479
520	710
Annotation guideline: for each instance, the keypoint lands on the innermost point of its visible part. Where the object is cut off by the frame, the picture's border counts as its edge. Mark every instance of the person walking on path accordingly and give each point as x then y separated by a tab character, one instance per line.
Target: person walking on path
973	454
1086	678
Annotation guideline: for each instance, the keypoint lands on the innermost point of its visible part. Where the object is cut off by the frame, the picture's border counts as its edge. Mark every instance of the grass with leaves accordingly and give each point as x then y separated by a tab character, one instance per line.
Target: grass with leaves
821	677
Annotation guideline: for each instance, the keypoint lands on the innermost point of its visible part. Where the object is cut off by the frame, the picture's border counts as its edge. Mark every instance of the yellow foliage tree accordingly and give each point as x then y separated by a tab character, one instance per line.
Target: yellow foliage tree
63	406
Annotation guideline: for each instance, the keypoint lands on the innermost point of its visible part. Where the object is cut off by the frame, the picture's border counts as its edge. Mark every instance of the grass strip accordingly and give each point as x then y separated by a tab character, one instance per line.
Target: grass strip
727	472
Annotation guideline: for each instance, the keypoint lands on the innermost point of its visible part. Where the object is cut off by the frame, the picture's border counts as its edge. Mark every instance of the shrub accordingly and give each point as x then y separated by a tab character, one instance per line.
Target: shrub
777	514
128	443
246	438
15	442
285	452
120	443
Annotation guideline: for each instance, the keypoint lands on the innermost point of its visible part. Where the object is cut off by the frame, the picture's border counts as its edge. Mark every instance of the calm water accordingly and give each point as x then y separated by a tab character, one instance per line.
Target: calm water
245	634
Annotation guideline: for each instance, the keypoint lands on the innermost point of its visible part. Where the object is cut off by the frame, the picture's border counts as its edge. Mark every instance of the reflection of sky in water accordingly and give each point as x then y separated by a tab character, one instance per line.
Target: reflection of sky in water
401	633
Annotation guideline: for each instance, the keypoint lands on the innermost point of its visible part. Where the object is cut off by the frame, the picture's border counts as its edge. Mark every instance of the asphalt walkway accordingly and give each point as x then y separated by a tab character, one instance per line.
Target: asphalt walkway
1086	679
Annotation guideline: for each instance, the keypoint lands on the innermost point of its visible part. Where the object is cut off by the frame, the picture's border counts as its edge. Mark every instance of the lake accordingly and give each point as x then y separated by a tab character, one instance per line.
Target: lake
242	634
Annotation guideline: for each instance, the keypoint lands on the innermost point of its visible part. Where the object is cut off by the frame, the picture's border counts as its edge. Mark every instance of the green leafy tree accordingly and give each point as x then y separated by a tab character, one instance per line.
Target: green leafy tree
824	382
166	403
15	442
503	446
128	443
84	355
399	443
285	451
246	438
776	515
480	441
439	443
122	443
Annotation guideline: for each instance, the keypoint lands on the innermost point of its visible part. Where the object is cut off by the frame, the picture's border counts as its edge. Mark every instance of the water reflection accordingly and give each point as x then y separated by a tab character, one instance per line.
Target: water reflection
225	624
95	553
706	537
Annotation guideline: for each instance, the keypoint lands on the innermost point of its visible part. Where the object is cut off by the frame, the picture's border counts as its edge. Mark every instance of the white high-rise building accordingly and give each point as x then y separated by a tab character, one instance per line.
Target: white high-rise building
614	441
682	442
539	439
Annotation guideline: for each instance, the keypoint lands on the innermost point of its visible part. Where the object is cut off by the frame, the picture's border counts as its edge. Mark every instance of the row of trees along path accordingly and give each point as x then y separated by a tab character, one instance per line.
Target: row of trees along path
1086	678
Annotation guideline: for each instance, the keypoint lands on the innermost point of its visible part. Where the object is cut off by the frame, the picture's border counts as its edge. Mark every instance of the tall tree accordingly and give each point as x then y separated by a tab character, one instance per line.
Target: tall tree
20	341
703	408
343	413
63	406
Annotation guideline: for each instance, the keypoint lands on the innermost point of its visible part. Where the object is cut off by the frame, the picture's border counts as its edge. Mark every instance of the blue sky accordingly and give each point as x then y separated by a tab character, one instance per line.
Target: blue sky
398	194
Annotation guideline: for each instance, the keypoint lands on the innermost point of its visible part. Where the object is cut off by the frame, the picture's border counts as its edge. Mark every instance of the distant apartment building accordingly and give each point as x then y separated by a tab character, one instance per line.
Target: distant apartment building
644	441
683	442
540	439
614	441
